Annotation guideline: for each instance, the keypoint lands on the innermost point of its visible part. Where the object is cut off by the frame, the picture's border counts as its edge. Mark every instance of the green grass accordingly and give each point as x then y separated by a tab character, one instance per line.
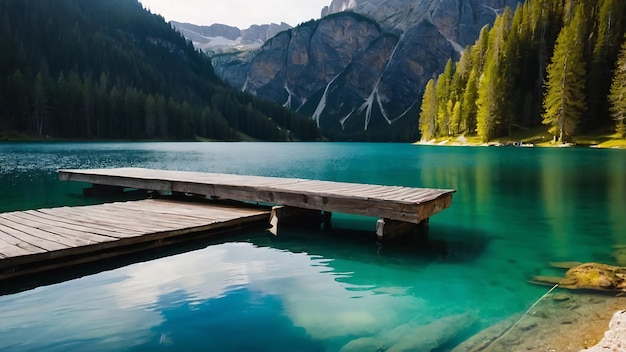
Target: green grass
613	143
539	136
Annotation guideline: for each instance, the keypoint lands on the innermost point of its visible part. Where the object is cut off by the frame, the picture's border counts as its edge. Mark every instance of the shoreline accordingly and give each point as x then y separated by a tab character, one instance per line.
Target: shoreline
615	337
452	143
563	321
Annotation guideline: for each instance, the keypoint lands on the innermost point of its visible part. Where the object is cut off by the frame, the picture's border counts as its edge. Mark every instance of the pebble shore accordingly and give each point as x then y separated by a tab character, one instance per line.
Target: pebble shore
564	321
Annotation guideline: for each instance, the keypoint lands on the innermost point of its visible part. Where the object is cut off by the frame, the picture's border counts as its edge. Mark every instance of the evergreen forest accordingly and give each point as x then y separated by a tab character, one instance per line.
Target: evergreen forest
558	63
109	69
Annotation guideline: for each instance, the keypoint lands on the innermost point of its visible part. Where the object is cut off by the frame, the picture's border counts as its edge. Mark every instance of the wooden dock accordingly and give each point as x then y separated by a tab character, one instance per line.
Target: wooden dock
34	241
399	208
45	239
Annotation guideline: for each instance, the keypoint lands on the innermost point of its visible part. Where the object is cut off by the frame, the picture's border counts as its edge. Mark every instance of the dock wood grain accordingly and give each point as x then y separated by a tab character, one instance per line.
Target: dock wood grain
37	240
399	203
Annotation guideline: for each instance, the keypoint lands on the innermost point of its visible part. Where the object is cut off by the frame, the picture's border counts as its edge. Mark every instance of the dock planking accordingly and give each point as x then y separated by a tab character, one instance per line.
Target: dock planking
37	240
393	203
34	241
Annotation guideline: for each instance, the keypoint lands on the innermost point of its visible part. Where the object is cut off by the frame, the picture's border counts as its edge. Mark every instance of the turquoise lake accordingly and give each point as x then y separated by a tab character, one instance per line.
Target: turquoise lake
515	210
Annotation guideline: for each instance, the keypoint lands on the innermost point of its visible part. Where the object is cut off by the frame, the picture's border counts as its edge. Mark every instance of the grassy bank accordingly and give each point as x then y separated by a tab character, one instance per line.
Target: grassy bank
536	137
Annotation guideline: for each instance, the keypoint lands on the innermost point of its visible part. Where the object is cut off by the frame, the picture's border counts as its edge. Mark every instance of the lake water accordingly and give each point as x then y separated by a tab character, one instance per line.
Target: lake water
516	210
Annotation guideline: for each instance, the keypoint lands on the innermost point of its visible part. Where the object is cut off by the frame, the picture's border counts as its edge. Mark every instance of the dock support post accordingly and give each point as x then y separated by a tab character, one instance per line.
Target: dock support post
387	229
292	215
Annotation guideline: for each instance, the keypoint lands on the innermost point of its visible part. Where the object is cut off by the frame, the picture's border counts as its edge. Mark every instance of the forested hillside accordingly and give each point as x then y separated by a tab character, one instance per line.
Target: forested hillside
110	69
550	62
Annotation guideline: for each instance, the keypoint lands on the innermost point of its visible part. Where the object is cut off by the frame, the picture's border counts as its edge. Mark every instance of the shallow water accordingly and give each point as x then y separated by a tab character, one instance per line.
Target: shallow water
516	209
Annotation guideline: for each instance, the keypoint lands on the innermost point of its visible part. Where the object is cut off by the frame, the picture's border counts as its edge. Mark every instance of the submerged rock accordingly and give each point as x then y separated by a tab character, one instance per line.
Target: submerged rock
487	336
435	334
560	297
591	276
411	337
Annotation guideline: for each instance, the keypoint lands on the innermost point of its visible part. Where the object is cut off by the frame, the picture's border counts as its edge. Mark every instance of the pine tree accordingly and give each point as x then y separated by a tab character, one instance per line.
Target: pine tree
443	118
605	50
455	118
487	115
479	50
444	94
564	98
617	97
468	106
428	116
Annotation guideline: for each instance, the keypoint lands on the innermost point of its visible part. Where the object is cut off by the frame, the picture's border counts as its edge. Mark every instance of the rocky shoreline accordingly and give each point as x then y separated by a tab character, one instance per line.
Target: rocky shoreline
561	322
615	338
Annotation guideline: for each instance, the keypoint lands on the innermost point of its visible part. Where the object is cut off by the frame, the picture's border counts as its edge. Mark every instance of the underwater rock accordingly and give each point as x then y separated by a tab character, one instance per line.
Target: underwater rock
591	276
564	265
560	297
412	337
485	337
527	324
364	344
435	334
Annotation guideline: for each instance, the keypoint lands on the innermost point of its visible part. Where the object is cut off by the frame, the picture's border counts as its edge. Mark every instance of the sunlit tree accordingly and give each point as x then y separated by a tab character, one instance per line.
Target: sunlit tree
428	116
564	97
617	97
487	115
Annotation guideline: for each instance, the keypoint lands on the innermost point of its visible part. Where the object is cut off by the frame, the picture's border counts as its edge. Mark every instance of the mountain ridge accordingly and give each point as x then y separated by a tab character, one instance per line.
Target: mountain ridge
381	102
220	38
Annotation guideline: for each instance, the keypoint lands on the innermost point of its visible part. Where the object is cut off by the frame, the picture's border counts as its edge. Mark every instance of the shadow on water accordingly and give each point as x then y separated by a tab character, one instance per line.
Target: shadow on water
445	244
342	246
51	277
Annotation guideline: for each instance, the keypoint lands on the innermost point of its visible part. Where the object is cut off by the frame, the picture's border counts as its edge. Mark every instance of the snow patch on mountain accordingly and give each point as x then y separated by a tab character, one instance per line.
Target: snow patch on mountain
219	38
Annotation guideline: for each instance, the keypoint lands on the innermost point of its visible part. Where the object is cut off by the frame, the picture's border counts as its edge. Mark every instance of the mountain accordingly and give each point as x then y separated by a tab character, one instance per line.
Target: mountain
220	38
111	69
360	71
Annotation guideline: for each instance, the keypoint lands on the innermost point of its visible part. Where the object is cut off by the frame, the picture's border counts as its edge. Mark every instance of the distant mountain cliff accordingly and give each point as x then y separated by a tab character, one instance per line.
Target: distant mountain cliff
221	38
359	72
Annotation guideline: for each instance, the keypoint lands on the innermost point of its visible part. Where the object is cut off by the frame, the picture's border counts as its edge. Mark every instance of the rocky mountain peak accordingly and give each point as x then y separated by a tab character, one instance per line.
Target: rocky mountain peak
221	38
361	69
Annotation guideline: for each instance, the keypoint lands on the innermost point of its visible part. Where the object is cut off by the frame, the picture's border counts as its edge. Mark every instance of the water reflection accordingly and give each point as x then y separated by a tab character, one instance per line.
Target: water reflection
306	289
319	289
554	182
616	195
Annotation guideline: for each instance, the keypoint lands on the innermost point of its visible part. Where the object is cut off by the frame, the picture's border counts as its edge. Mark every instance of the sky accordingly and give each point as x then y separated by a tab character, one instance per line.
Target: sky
239	13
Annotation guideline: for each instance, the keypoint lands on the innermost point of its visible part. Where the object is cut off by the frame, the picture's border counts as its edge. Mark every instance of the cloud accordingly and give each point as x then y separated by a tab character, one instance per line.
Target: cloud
240	13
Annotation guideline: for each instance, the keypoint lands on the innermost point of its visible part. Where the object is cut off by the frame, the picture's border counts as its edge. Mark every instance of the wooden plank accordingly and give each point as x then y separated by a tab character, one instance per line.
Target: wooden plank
32	241
188	214
392	202
242	182
113	225
63	228
31	228
143	220
108	217
7	238
77	224
14	248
